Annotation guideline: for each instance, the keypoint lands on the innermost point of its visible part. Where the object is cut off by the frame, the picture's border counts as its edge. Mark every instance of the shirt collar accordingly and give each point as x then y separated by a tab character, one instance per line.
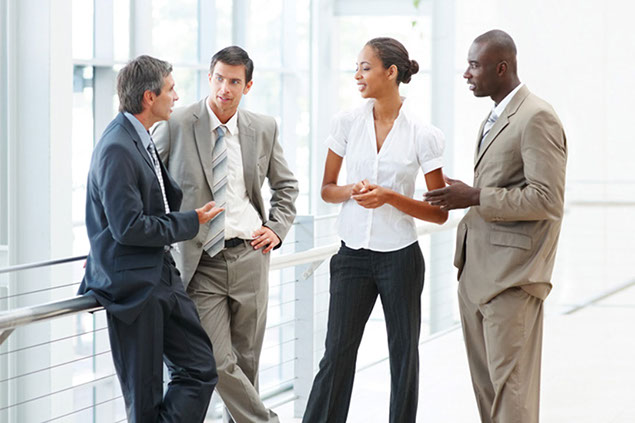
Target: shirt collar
403	111
498	109
231	125
141	130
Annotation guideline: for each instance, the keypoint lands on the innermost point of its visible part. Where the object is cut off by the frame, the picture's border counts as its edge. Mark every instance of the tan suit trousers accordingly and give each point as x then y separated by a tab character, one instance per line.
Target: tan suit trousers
503	339
231	293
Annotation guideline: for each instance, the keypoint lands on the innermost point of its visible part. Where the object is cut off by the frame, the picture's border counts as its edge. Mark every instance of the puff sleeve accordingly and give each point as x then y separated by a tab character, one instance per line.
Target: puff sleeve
430	143
341	125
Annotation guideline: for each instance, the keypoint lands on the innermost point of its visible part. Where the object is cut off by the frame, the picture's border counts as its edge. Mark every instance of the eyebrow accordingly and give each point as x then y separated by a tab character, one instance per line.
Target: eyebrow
361	63
223	76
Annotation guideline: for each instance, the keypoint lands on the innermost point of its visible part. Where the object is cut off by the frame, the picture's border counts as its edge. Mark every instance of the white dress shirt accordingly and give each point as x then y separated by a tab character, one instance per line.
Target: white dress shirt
500	107
241	218
409	146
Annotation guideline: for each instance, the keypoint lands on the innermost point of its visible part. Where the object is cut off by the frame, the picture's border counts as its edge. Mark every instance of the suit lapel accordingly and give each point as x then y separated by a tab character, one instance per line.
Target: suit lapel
203	140
501	123
137	141
247	139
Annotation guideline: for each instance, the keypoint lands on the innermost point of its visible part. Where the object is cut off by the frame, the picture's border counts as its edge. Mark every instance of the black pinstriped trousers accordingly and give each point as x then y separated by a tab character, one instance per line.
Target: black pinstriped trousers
357	278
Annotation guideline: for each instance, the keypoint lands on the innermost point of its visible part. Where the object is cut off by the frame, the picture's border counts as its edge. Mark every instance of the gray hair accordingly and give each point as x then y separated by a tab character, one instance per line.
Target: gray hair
145	73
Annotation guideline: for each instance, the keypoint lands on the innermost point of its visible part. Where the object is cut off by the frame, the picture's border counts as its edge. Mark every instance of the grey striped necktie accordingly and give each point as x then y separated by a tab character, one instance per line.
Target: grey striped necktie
157	169
216	234
491	120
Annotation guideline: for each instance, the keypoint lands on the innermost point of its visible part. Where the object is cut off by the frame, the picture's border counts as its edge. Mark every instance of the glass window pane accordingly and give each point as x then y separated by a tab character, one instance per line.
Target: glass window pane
4	138
121	29
303	31
264	34
175	30
82	146
223	23
352	32
186	81
83	29
264	96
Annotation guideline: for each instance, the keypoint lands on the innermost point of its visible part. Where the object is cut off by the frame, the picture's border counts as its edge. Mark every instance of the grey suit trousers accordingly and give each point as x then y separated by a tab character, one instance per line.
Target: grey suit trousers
231	292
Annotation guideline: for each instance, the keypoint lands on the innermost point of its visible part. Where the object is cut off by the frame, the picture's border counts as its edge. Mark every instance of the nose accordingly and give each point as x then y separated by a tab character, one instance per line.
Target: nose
467	74
357	75
176	96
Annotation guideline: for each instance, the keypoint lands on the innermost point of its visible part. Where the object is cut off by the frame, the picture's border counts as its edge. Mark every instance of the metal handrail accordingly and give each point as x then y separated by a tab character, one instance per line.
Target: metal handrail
25	315
35	265
12	319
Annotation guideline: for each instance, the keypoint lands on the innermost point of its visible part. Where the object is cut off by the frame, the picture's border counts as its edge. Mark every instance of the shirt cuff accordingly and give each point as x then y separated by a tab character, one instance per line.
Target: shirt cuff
336	146
432	164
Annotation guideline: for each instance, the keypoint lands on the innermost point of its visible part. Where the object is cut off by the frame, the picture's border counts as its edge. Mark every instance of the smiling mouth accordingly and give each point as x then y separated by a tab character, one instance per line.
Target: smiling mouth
361	87
471	86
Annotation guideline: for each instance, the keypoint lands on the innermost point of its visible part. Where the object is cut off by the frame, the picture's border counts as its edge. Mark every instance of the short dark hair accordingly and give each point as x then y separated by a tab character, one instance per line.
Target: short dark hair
234	56
145	73
392	52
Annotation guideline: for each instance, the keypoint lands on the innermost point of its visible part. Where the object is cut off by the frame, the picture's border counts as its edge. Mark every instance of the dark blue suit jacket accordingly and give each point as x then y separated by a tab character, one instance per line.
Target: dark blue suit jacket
126	222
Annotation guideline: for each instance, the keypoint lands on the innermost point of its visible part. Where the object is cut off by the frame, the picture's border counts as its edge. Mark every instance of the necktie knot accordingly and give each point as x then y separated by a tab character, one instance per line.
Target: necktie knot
220	132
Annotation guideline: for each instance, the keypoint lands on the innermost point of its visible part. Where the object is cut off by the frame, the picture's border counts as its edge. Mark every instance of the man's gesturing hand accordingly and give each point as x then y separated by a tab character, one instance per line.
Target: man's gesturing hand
457	195
208	212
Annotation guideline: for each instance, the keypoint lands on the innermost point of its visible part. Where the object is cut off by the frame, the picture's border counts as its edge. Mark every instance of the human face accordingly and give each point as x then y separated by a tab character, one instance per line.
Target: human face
227	86
481	73
373	80
161	105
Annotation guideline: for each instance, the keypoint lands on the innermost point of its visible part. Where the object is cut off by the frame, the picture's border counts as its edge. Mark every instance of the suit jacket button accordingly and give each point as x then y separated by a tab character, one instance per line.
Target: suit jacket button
199	244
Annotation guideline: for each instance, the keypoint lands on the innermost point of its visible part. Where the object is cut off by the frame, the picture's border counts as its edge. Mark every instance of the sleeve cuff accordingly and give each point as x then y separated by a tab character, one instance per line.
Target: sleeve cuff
337	147
432	164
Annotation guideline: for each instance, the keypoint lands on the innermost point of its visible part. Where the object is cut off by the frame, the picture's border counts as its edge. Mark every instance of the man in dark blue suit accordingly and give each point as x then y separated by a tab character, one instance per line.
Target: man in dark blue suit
132	219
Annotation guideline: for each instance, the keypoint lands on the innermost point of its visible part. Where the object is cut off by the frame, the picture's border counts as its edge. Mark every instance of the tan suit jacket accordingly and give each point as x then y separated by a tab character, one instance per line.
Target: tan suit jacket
511	238
185	145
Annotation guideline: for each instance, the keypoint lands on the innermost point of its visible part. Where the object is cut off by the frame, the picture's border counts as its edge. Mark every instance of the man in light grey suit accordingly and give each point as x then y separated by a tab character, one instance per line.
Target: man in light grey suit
506	243
217	152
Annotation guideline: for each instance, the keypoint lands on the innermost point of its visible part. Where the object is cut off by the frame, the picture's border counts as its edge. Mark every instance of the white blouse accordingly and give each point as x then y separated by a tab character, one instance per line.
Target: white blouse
409	145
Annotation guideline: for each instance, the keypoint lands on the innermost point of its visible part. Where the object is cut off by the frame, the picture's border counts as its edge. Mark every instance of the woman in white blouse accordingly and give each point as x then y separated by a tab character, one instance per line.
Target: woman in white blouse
385	145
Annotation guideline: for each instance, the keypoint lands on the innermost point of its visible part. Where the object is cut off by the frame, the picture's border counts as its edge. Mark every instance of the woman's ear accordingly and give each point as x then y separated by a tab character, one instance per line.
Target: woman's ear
393	72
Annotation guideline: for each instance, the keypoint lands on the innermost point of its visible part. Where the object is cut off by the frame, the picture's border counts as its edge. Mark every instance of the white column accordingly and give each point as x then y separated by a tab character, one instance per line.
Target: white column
322	88
103	76
140	27
441	269
289	75
40	145
206	41
239	22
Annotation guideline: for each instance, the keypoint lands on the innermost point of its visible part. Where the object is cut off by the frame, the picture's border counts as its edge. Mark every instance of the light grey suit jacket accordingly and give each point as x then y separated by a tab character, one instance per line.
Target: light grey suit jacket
185	145
511	238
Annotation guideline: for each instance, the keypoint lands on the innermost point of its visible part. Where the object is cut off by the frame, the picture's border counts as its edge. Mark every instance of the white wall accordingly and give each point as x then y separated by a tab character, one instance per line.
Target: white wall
579	55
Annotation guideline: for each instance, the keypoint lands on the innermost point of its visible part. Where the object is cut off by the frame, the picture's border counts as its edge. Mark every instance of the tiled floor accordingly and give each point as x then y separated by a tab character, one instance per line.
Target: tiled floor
588	372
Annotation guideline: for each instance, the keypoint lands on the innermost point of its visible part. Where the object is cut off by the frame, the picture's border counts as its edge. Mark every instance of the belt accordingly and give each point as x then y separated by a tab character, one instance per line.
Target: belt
234	242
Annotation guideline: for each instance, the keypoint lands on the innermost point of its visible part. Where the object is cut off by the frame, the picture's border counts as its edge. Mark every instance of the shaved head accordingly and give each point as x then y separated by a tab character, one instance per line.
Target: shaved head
500	46
492	66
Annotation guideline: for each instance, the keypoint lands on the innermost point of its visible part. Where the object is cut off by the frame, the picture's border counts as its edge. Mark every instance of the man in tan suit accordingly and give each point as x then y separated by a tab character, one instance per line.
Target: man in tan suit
506	243
216	151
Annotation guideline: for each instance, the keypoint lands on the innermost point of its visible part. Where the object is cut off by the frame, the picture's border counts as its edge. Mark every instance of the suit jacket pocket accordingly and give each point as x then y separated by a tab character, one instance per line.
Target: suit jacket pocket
134	261
510	239
459	252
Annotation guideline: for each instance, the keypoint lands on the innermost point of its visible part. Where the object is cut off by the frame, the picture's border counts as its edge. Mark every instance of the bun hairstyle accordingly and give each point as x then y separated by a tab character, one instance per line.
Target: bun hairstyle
392	52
